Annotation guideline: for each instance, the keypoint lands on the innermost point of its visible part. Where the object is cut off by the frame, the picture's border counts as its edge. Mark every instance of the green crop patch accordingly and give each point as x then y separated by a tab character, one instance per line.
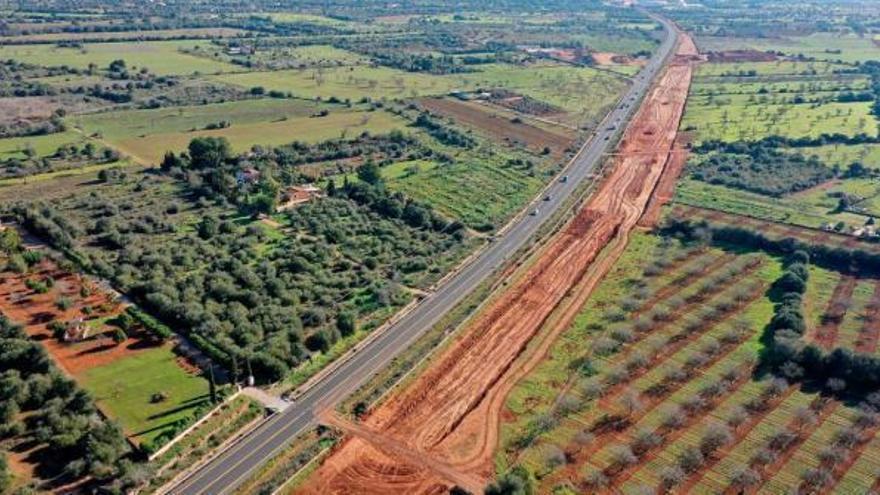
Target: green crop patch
160	57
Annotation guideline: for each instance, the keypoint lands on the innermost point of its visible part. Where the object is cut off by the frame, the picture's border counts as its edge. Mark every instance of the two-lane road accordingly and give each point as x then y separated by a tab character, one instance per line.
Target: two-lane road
228	470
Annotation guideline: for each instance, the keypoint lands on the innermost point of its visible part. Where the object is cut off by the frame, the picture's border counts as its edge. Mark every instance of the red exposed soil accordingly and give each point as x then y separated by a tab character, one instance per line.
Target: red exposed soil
613	428
869	336
739	434
35	311
768	471
666	187
826	335
498	127
452	411
838	470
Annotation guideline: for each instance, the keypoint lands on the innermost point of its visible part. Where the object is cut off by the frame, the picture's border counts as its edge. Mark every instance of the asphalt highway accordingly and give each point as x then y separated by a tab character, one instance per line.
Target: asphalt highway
228	470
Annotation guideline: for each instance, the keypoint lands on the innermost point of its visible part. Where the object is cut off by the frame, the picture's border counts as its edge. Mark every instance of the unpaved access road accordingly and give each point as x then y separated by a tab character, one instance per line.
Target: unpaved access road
229	469
451	412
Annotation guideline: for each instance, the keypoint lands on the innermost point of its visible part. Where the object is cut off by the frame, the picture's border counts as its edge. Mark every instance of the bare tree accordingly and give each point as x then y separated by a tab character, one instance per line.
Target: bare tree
644	440
804	417
595	479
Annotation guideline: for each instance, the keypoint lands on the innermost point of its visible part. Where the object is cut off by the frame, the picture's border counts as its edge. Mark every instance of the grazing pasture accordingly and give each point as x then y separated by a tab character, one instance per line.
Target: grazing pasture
833	47
269	130
160	57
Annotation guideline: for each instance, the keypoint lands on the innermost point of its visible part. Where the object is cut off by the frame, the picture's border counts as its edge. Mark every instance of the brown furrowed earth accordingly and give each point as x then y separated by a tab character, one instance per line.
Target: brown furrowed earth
499	128
451	412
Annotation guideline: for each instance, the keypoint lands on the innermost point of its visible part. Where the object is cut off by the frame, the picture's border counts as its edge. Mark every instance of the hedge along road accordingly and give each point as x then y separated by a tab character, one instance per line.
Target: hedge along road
228	470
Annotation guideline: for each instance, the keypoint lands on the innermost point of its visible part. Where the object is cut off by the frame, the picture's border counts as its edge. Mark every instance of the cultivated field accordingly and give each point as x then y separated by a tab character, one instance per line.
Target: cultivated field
160	57
123	374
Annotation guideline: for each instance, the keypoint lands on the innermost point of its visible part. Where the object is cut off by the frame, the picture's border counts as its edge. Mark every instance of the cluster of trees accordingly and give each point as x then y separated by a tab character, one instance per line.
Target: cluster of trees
838	371
48	223
522	103
444	133
371	192
211	168
761	169
254	303
777	141
23	128
63	419
419	62
872	68
65	157
840	259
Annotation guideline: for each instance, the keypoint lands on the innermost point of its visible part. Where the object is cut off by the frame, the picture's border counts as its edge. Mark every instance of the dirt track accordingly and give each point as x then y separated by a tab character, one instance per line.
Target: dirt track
451	412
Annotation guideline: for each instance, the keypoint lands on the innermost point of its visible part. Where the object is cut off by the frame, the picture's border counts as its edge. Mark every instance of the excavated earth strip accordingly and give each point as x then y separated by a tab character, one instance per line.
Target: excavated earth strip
451	411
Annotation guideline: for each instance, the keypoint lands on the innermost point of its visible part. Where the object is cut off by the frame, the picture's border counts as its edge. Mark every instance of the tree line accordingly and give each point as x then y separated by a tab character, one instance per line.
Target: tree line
839	371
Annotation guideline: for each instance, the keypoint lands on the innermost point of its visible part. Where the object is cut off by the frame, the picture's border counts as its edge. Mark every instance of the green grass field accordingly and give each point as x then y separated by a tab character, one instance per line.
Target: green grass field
584	92
821	46
160	57
123	389
128	124
42	145
476	190
811	209
271	132
733	118
775	68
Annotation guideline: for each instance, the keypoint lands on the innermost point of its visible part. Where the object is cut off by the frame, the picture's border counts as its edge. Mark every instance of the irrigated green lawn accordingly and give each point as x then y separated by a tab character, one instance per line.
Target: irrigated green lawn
123	389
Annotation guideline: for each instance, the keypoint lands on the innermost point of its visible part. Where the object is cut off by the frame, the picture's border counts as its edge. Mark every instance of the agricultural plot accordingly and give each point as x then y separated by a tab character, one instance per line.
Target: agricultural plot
41	146
583	92
747	102
160	57
663	397
135	377
826	46
339	257
812	209
502	128
148	134
735	118
155	34
480	191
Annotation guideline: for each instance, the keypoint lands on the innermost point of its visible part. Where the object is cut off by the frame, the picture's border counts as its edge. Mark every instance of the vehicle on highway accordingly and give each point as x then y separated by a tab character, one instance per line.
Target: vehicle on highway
564	179
534	212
